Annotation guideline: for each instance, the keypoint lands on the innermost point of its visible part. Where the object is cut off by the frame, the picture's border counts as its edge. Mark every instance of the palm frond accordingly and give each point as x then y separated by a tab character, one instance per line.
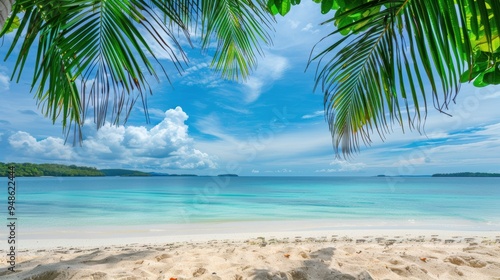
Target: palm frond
98	45
101	46
239	26
378	74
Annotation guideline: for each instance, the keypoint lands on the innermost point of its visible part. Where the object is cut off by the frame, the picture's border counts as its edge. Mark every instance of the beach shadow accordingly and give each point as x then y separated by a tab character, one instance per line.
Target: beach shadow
62	269
315	267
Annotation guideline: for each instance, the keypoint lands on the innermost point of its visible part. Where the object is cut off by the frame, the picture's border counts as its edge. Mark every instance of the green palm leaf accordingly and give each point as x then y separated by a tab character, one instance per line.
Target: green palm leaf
93	55
376	75
98	45
239	27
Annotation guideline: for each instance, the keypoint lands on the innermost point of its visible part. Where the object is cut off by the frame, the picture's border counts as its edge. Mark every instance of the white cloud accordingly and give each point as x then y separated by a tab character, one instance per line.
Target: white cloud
157	113
212	125
342	166
467	149
164	50
275	145
49	148
308	27
4	82
254	89
412	161
284	170
493	95
196	67
166	145
270	68
293	23
314	115
233	109
202	75
330	170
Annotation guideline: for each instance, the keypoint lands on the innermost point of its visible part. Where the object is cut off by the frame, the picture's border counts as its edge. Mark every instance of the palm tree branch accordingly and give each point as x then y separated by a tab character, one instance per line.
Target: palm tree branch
98	45
349	111
390	56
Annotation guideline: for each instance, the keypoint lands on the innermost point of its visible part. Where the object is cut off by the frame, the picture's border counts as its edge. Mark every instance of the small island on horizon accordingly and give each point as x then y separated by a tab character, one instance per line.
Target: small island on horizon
467	174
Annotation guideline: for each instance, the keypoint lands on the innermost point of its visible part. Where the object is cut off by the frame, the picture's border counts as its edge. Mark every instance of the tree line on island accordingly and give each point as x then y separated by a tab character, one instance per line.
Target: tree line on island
49	169
457	174
61	170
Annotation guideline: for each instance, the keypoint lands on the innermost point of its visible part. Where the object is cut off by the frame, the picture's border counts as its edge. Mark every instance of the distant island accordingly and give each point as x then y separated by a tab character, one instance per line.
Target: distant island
467	174
61	170
49	169
403	176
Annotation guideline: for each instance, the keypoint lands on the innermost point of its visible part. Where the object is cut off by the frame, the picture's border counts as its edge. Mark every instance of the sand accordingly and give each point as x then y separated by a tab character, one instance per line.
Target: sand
321	255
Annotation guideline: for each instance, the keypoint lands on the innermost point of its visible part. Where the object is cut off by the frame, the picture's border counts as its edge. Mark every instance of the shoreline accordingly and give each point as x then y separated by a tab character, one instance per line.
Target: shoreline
156	239
85	236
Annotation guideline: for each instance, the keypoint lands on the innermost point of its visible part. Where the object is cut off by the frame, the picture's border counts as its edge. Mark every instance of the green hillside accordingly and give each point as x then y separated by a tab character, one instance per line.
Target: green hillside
49	169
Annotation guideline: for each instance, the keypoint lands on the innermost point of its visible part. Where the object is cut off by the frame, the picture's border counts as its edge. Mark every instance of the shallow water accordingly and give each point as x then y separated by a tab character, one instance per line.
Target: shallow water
108	201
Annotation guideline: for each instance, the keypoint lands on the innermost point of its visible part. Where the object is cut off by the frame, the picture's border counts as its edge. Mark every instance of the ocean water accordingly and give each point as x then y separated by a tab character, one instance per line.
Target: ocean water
113	201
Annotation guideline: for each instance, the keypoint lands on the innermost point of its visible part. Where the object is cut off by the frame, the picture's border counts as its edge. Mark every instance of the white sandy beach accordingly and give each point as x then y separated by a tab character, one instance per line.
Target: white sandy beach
287	254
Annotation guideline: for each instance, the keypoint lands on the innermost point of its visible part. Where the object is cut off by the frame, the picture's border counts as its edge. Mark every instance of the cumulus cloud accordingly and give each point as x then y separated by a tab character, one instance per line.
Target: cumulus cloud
157	113
166	145
49	148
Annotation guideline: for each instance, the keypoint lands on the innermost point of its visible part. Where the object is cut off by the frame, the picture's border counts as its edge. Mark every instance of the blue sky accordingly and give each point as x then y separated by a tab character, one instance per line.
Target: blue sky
270	125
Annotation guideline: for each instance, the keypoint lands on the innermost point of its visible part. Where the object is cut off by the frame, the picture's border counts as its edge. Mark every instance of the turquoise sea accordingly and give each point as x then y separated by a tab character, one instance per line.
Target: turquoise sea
114	201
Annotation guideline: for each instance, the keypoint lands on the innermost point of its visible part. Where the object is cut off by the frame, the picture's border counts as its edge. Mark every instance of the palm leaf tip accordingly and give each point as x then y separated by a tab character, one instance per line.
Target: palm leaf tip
379	73
240	28
99	45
